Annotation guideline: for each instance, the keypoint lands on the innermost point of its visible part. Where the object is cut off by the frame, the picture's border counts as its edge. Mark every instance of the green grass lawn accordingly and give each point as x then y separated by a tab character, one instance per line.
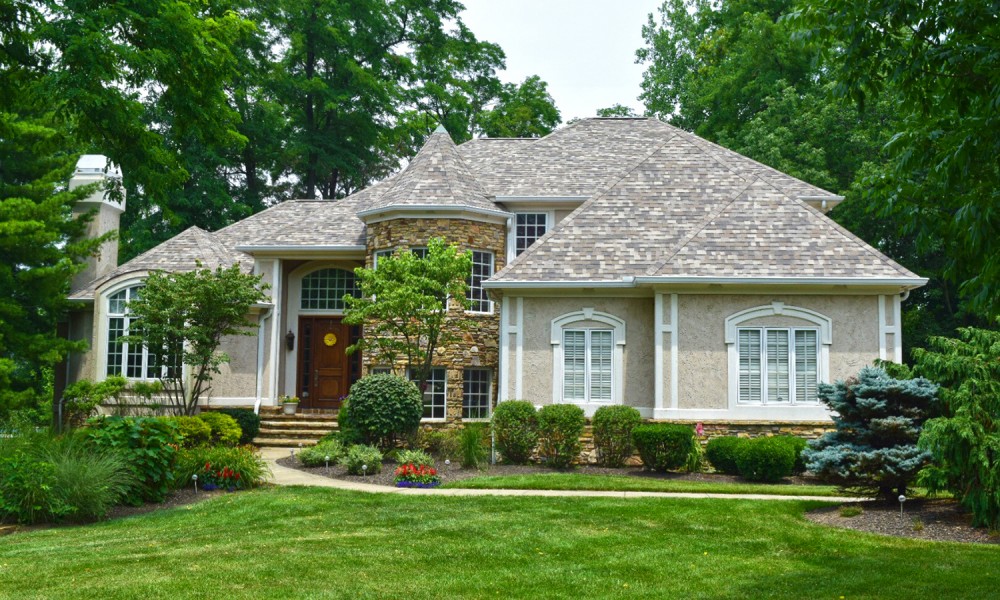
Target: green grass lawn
625	483
312	542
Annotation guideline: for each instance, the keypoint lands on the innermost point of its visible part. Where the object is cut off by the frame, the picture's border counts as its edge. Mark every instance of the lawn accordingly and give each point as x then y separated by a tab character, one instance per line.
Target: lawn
312	542
625	483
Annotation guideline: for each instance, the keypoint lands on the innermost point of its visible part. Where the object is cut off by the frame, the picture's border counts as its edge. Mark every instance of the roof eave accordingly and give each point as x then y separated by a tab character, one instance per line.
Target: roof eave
432	211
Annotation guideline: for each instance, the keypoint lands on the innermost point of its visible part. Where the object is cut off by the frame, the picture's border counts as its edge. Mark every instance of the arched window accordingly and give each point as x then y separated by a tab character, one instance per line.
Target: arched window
588	358
131	360
325	289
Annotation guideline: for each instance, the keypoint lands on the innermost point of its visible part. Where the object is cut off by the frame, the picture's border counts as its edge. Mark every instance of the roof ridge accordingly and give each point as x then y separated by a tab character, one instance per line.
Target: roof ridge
705	223
576	212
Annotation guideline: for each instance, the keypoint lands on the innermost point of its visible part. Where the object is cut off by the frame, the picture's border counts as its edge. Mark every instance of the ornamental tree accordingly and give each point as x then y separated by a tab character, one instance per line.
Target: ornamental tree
183	318
878	420
403	306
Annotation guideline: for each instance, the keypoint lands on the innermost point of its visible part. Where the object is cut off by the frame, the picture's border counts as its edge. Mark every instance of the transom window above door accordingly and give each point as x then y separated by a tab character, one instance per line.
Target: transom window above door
325	289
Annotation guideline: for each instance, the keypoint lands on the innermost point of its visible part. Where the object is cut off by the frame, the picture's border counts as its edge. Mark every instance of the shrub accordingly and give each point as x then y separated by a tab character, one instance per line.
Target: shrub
346	432
414	457
88	480
515	429
721	452
193	431
82	397
472	450
664	446
147	444
225	429
28	490
559	429
383	408
442	443
315	456
797	445
248	420
358	456
765	459
225	467
613	434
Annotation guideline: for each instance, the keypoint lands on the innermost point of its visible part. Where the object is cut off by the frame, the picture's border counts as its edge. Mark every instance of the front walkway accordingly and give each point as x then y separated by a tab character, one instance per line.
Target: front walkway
287	476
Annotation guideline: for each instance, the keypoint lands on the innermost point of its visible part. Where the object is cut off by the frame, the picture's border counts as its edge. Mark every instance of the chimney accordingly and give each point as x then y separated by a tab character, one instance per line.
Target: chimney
108	203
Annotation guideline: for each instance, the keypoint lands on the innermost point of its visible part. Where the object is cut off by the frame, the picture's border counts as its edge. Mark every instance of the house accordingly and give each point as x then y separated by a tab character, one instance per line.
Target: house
615	261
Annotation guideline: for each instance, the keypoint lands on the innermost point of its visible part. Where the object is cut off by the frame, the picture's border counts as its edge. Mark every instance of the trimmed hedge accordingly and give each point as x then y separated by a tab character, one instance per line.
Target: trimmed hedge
559	429
515	427
613	427
766	459
797	445
194	431
225	429
383	408
247	419
664	446
315	456
721	453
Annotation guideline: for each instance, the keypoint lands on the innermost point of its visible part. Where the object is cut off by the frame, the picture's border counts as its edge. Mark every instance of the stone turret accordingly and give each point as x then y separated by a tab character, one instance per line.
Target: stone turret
108	207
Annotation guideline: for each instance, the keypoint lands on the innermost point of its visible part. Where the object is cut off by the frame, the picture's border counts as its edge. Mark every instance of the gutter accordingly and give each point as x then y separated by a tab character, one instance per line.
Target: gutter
432	207
631	282
260	357
287	248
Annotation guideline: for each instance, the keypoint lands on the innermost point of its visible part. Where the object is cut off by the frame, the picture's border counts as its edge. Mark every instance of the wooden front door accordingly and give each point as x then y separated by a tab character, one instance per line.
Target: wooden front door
325	372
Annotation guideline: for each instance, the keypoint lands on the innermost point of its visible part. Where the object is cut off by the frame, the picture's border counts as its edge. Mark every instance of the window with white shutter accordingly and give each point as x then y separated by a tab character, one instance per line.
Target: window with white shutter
588	356
777	365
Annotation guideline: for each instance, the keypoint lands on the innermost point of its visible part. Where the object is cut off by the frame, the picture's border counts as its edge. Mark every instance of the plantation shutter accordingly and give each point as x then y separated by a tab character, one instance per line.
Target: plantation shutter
574	365
601	346
806	372
777	366
749	350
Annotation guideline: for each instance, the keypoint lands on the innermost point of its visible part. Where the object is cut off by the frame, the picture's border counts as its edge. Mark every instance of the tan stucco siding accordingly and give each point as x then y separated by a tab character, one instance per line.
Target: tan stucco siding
238	377
82	365
702	352
537	357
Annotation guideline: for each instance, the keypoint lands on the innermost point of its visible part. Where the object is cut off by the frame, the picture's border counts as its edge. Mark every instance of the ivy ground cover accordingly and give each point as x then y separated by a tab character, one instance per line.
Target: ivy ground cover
319	543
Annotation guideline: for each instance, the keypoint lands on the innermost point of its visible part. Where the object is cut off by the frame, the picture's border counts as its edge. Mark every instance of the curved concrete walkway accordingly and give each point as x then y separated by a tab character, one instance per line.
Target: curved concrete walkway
287	476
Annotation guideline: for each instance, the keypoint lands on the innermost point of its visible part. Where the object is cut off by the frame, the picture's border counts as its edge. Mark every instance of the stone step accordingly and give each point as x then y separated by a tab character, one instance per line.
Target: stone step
314	434
320	425
300	417
277	442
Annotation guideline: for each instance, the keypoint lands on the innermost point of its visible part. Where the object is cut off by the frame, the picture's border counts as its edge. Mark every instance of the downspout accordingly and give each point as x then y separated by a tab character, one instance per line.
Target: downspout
260	357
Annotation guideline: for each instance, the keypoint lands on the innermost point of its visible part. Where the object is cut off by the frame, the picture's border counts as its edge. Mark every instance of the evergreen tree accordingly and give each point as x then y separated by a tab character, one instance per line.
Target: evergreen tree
878	421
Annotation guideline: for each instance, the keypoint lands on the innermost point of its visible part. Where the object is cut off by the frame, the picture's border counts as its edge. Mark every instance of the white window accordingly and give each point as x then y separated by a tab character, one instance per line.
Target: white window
778	365
476	388
528	227
587	365
325	289
482	269
435	396
130	360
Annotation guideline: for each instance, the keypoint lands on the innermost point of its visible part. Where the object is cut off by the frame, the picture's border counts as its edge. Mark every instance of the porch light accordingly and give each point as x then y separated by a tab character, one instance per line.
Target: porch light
290	340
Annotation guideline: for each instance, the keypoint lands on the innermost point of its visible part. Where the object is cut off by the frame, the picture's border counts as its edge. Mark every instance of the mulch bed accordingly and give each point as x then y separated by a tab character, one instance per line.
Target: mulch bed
938	520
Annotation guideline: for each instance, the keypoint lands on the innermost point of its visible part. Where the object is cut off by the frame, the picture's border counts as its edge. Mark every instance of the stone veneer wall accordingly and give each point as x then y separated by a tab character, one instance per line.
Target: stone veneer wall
479	347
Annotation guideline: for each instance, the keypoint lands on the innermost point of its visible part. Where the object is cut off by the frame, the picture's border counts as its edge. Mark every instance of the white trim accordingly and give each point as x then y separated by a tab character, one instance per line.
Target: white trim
617	354
227	401
101	316
550	221
658	331
503	359
519	351
744	412
898	324
674	353
911	282
885	330
276	333
589	408
732	323
881	328
534	199
558	284
430	211
493	270
259	379
314	248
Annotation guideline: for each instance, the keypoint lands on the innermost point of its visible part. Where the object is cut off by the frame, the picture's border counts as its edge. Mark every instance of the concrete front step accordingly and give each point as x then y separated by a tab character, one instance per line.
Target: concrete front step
269	442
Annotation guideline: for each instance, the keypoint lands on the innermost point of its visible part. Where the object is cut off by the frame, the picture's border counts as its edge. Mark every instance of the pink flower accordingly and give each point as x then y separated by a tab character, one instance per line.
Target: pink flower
699	429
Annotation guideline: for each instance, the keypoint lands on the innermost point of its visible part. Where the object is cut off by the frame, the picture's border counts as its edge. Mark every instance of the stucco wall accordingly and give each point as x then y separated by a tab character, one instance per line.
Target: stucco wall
702	352
238	378
82	365
536	378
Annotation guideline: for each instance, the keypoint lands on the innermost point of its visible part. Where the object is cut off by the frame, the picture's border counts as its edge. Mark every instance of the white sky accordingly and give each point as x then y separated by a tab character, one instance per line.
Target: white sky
584	49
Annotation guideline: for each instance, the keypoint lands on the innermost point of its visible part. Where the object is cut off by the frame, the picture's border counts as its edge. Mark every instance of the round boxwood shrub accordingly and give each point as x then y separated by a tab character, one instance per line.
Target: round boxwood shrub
358	456
613	427
797	445
247	419
765	459
315	456
225	429
664	446
721	452
515	428
382	408
559	429
194	431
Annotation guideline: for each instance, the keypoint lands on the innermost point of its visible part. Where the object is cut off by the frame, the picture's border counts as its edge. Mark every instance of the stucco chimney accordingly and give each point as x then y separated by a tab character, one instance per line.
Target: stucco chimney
108	203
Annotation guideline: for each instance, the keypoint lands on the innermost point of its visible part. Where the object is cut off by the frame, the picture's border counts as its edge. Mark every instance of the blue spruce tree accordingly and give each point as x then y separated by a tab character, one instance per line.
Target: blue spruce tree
878	421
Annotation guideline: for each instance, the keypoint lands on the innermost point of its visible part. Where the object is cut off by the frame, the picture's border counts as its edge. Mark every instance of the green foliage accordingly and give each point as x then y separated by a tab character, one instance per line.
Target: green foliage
383	407
515	429
346	432
664	446
193	431
359	456
767	459
148	446
184	317
247	419
472	446
877	422
797	445
965	441
315	456
441	443
225	429
722	451
414	457
559	429
524	110
82	397
613	427
239	467
403	306
28	491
